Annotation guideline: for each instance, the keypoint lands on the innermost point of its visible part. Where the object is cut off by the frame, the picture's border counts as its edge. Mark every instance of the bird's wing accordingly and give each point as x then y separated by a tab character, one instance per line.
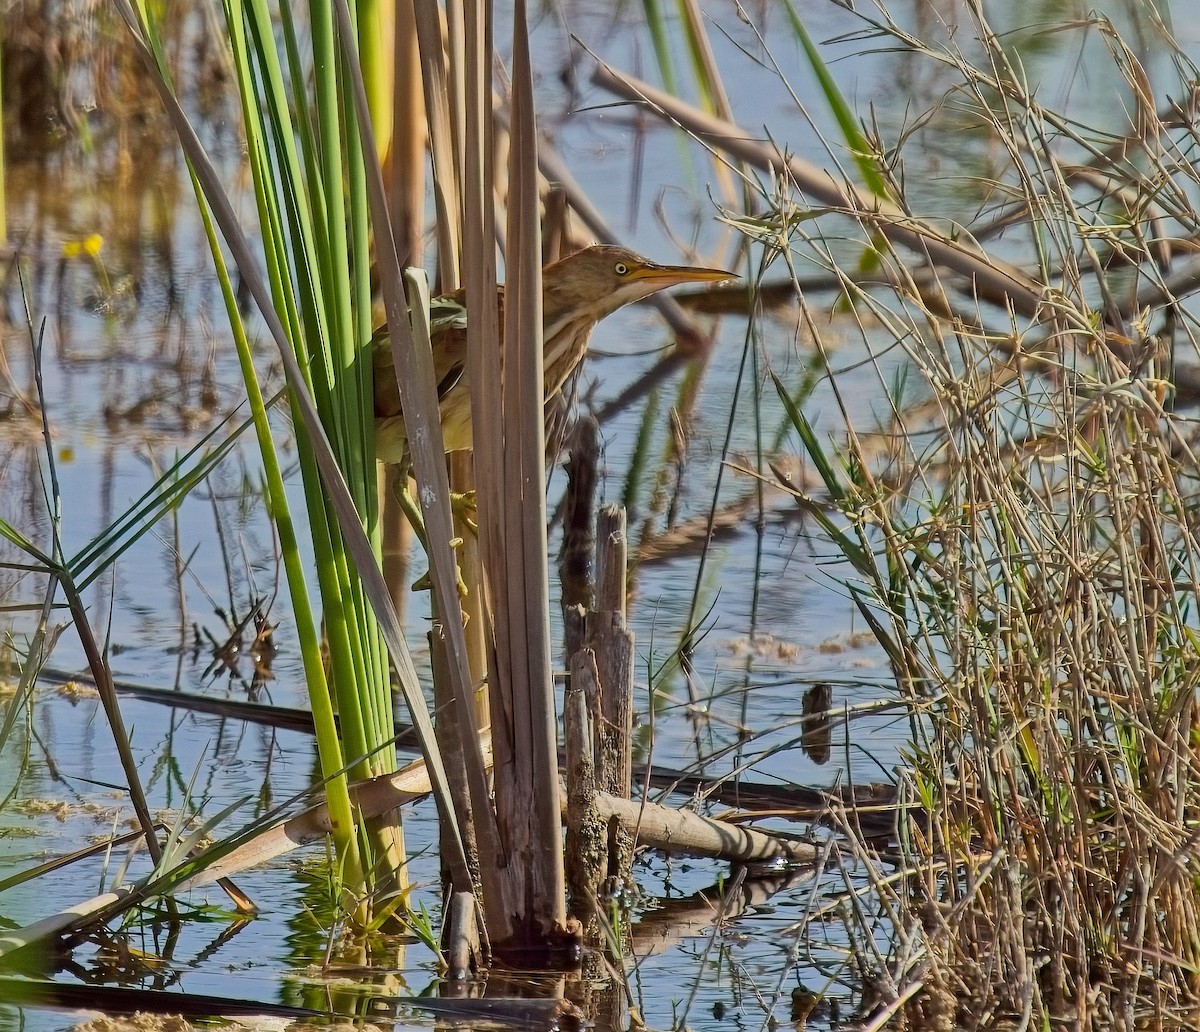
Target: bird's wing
451	376
448	331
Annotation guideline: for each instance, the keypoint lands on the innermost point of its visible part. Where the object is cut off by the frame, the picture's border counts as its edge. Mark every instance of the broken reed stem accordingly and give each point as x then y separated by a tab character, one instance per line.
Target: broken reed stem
579	542
587	833
610	639
598	709
477	620
611	559
463	948
396	534
685	833
449	738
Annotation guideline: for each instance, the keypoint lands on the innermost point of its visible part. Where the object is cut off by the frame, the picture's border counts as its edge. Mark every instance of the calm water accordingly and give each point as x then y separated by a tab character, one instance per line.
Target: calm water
134	382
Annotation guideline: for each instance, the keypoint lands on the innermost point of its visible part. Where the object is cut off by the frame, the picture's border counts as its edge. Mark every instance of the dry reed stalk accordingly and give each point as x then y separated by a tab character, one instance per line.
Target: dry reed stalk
523	713
483	361
404	170
575	567
587	833
444	146
611	641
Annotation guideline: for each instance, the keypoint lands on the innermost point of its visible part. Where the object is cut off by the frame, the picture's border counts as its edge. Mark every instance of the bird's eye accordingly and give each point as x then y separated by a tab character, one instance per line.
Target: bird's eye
621	269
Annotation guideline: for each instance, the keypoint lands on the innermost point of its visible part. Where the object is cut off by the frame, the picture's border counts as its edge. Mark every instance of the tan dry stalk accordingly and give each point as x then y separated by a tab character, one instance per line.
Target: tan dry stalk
483	362
524	723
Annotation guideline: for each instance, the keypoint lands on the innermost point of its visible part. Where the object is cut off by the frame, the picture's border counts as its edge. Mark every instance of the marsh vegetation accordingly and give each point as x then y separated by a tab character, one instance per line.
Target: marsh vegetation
907	597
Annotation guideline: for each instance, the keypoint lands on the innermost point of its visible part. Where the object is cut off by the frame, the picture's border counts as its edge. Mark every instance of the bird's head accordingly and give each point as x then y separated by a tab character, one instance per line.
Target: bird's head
598	280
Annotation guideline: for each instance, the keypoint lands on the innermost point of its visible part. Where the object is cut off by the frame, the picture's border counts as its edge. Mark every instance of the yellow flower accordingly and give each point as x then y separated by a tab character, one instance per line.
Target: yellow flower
89	245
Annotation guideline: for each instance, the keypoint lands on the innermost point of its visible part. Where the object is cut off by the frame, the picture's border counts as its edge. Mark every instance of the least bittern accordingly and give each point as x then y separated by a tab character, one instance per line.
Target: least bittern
577	292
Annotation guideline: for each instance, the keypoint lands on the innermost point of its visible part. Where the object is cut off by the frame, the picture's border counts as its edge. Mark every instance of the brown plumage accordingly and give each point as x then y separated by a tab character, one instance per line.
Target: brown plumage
577	292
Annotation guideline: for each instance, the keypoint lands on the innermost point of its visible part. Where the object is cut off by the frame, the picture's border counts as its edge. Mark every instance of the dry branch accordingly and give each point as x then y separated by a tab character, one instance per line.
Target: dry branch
684	833
992	278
